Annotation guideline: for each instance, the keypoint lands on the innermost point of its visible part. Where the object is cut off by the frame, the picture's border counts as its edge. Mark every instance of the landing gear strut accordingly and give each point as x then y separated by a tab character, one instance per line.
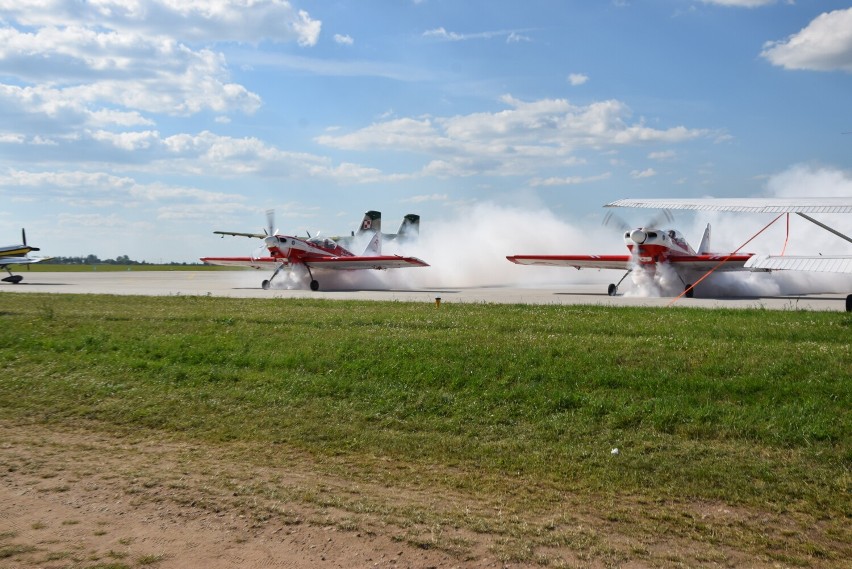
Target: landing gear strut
14	279
612	289
314	282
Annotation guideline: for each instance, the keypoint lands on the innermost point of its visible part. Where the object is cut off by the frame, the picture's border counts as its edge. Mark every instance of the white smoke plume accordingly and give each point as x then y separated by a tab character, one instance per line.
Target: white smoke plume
468	248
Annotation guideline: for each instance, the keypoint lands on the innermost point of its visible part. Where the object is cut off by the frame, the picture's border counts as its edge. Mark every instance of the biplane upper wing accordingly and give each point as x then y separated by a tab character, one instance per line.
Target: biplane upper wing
577	261
746	205
818	264
363	262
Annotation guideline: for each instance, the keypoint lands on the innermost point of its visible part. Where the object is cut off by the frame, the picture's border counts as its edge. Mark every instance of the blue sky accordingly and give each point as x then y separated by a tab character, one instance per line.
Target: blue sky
139	127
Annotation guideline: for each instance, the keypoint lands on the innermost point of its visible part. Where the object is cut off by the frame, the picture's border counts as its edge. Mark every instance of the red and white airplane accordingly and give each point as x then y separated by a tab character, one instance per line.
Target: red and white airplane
17	255
803	207
649	248
286	252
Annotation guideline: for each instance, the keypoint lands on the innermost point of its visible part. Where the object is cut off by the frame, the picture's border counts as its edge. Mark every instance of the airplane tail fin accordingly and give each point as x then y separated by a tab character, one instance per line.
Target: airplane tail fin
704	248
374	247
410	228
372	223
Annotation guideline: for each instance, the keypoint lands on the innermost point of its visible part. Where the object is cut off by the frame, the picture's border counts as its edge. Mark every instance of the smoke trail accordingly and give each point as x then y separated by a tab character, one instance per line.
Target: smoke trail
468	248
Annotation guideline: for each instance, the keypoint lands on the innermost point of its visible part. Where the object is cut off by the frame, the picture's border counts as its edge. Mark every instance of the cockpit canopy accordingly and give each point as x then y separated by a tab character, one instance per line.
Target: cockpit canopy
323	242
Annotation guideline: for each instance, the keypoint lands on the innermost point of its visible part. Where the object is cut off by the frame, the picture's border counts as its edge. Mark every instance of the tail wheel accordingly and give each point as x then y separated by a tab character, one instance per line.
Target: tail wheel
849	303
690	292
612	290
265	285
314	285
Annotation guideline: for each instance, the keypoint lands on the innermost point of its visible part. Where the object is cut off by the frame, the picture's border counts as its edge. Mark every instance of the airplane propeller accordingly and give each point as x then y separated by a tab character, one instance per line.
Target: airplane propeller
611	219
270	223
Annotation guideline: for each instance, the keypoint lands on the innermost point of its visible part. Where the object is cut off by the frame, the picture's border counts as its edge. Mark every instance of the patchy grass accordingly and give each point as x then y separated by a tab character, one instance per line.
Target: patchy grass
522	404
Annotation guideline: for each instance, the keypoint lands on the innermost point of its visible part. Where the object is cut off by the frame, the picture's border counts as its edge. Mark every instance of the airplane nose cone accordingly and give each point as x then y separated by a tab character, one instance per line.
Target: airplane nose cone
638	236
271	241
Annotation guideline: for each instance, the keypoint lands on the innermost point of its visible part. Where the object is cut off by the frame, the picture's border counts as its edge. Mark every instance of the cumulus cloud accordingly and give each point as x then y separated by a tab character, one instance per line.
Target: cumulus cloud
224	20
568	181
823	45
102	190
576	79
343	39
741	3
517	140
105	63
647	173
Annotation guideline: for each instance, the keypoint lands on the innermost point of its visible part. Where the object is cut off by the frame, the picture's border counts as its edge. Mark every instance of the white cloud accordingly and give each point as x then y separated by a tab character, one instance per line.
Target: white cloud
102	64
568	181
518	140
441	33
427	198
662	155
193	20
647	173
576	79
343	39
741	3
823	45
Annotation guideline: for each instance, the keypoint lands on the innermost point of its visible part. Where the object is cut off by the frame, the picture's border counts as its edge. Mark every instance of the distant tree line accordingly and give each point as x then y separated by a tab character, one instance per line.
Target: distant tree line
95	260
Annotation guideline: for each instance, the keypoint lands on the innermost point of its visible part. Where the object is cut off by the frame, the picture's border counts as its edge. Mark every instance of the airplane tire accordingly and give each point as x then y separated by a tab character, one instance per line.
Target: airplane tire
14	279
315	285
690	292
265	285
612	290
849	303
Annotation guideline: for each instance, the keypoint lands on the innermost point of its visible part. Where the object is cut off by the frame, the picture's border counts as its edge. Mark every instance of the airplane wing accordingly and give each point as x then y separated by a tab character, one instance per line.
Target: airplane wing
366	262
21	260
820	264
622	262
239	234
707	262
321	262
254	263
625	262
750	205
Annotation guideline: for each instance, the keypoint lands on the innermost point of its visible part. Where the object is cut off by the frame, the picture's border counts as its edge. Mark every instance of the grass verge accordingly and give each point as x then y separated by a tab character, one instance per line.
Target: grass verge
521	405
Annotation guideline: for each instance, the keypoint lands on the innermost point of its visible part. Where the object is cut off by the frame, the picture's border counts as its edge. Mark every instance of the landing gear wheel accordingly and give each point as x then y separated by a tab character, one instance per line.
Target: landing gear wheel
690	292
612	290
265	285
14	279
315	285
849	303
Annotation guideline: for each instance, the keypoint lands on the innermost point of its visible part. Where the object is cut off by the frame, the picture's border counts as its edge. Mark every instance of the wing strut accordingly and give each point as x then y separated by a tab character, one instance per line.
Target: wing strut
723	261
824	226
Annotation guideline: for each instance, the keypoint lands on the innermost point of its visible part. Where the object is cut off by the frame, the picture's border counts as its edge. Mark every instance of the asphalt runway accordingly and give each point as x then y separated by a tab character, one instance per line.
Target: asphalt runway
246	284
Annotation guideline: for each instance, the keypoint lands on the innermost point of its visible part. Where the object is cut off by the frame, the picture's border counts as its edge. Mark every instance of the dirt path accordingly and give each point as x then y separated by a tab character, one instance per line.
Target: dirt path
77	499
93	500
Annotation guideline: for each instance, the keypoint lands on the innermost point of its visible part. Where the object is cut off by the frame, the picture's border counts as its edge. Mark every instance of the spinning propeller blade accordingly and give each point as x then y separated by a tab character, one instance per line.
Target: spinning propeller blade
270	222
612	220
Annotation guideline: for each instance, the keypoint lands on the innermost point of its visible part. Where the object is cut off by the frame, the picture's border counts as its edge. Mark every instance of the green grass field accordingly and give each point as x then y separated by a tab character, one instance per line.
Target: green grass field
106	267
747	408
